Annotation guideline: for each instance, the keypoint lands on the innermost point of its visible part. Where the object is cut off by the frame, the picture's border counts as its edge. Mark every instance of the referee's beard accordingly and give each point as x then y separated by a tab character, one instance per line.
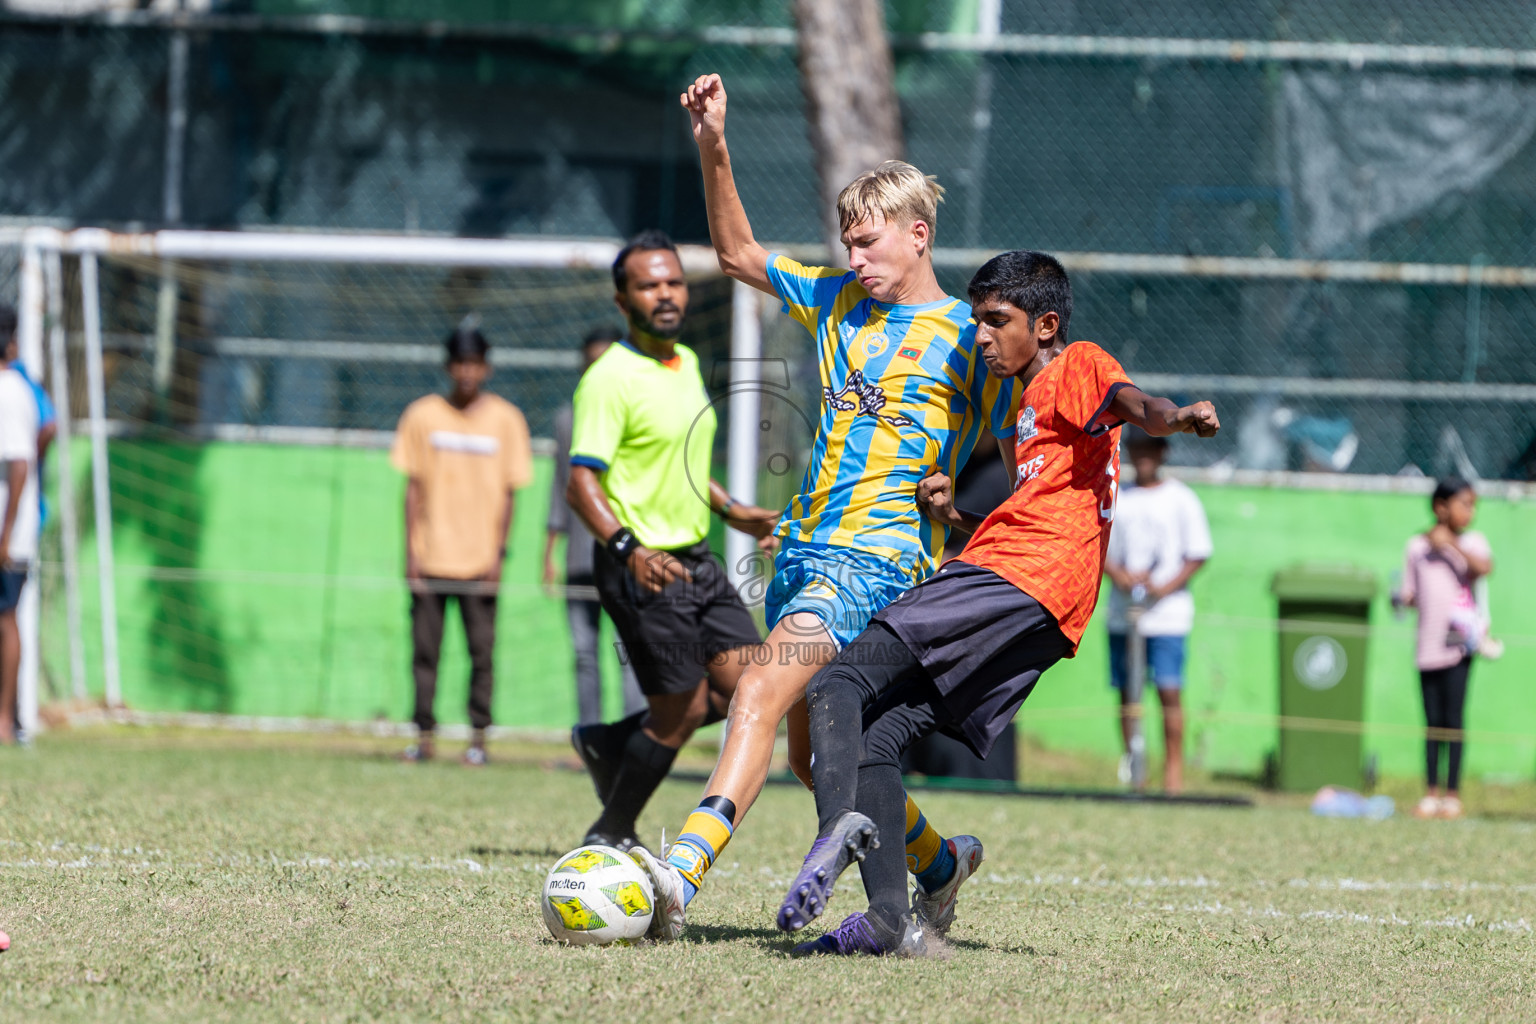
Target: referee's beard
643	324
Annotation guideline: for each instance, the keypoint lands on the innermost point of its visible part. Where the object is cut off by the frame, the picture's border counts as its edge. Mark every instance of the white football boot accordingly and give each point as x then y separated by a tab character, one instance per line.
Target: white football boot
935	911
667	916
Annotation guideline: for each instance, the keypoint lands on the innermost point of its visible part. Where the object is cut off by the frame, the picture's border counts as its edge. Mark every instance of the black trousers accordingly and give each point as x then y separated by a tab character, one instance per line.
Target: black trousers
428	612
1445	699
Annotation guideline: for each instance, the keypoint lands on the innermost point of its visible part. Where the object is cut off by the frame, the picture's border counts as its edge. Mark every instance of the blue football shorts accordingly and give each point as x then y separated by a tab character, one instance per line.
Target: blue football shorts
842	587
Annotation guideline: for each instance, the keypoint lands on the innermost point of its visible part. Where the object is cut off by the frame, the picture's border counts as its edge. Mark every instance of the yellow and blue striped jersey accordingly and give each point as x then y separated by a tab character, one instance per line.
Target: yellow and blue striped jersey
904	393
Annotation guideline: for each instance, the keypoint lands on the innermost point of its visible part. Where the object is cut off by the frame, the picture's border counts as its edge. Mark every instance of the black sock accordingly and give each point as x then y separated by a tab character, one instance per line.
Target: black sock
721	805
884	801
836	715
616	734
645	765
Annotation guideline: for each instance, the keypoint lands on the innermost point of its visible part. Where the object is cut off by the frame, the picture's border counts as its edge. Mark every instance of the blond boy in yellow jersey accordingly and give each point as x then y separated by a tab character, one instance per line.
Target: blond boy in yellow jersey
904	396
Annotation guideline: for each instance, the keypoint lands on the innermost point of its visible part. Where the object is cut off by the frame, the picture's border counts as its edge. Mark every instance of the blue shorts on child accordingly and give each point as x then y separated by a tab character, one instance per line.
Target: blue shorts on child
1165	661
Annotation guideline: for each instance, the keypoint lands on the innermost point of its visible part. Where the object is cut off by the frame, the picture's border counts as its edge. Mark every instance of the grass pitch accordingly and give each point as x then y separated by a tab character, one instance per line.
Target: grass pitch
175	876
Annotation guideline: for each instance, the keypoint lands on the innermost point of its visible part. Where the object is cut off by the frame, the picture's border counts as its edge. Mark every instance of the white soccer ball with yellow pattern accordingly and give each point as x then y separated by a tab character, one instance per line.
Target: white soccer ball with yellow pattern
597	896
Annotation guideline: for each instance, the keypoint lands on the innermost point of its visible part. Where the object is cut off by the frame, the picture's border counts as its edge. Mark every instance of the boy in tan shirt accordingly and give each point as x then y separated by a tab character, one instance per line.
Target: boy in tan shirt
464	455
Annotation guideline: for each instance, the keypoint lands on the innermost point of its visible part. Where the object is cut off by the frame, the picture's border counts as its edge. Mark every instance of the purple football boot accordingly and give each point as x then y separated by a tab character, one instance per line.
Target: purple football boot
850	838
864	935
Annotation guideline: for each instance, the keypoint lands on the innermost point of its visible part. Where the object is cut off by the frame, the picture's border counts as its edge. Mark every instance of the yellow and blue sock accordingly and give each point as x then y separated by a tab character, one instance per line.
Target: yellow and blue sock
704	836
929	855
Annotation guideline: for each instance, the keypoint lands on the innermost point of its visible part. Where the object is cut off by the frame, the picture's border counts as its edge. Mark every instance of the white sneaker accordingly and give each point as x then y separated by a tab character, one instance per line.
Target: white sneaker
1427	807
667	916
935	911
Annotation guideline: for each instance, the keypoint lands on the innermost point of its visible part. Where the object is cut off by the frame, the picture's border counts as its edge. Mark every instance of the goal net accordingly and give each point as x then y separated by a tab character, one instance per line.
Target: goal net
234	543
226	531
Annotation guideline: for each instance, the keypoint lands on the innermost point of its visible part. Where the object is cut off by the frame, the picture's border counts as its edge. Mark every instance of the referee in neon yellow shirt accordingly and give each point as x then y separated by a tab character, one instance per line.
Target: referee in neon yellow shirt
641	443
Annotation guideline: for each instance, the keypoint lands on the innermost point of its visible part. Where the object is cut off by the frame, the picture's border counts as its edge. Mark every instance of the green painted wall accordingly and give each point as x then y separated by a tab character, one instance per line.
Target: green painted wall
298	608
1233	669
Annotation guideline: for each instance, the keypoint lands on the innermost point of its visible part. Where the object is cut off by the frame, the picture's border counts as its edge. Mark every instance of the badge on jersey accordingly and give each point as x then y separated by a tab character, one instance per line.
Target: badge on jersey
1027	423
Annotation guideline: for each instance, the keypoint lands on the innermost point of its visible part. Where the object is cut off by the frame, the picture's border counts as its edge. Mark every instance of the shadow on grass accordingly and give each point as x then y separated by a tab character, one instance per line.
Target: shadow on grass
775	941
974	946
507	851
1248	780
767	938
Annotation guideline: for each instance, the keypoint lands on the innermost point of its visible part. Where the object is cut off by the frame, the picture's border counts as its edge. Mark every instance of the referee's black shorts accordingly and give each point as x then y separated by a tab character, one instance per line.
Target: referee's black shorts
672	636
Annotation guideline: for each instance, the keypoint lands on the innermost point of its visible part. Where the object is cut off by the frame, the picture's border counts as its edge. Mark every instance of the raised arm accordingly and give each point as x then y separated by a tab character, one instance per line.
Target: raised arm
729	230
1160	417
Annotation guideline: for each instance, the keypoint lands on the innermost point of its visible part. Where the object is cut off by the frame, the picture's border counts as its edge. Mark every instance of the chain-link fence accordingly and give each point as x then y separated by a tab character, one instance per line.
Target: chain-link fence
289	348
1295	131
1320	215
253	513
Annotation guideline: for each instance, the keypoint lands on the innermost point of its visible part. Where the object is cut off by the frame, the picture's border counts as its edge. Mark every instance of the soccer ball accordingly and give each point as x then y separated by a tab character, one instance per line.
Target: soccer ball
596	896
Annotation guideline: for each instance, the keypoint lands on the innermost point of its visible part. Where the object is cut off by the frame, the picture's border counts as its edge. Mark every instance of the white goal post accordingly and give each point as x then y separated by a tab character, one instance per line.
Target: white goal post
42	339
60	309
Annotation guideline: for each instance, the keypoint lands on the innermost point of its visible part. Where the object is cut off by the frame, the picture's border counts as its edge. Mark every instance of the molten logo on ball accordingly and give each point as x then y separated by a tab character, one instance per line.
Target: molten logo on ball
596	896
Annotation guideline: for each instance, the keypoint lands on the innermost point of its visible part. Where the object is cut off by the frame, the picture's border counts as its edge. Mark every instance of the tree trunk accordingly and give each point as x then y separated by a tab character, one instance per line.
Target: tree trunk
849	82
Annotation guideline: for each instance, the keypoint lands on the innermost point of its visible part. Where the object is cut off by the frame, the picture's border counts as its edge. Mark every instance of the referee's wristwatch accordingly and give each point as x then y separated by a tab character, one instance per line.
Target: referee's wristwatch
622	544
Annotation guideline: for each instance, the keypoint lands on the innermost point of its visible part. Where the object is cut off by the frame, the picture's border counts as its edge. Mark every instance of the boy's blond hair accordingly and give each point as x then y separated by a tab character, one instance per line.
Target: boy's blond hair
897	190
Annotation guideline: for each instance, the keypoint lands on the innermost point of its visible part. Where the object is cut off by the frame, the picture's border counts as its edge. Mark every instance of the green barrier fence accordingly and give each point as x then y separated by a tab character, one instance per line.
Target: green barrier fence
279	594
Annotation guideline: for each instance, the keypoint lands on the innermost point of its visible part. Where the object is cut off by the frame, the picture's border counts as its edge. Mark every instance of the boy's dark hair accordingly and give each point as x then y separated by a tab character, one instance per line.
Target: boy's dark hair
1447	487
466	343
607	332
648	240
7	322
1032	281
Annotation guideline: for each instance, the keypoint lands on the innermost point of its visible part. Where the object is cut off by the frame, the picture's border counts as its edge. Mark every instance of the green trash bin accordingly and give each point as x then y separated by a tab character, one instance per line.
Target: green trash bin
1325	612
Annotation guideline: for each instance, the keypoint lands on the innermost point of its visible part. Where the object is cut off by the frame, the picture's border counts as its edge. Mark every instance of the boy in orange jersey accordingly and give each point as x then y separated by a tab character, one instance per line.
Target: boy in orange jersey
960	652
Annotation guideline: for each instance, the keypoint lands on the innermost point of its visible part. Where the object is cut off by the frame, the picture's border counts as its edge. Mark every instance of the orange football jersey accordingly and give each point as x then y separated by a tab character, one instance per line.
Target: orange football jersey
1049	538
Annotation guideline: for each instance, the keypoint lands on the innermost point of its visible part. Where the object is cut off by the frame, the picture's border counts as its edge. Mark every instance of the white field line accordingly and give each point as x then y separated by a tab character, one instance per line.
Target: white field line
1467	921
108	861
91	856
70	855
83	856
1201	882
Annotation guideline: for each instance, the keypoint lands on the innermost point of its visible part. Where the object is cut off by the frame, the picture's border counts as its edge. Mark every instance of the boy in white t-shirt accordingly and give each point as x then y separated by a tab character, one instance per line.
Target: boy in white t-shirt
18	527
1160	540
